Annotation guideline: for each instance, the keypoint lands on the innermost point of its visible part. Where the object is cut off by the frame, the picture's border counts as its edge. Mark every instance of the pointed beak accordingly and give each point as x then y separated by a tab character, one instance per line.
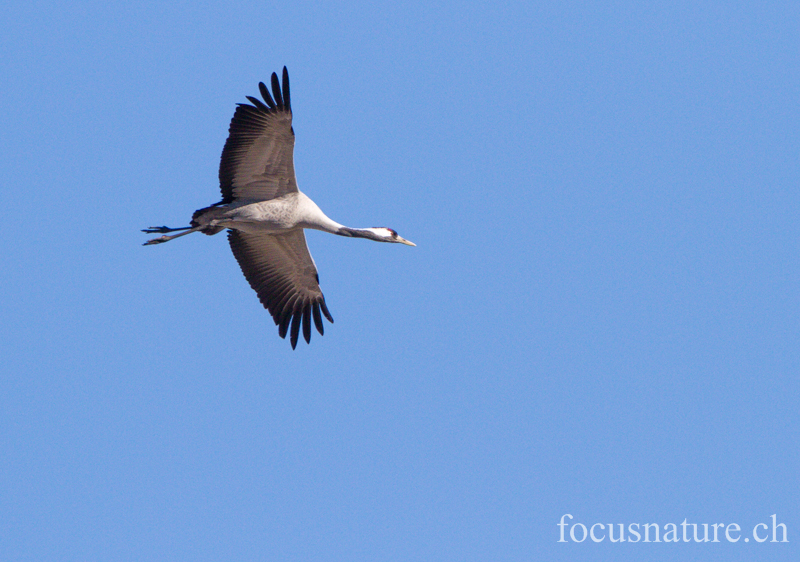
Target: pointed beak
404	241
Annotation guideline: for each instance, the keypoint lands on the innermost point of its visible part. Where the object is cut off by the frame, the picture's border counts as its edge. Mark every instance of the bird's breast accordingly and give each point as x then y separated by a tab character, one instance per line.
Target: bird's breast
277	215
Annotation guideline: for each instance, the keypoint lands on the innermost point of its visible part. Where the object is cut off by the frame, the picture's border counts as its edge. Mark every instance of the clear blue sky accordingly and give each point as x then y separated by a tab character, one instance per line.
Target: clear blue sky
600	318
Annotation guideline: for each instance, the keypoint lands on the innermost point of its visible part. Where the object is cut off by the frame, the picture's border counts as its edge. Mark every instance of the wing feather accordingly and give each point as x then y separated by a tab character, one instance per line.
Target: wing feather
297	318
318	319
265	94
281	271
257	162
307	322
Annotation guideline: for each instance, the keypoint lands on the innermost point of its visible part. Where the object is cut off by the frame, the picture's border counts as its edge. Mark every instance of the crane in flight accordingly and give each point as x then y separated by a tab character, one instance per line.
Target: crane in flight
265	214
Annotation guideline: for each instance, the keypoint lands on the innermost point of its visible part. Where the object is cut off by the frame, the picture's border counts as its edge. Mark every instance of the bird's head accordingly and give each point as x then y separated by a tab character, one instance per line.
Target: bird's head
382	234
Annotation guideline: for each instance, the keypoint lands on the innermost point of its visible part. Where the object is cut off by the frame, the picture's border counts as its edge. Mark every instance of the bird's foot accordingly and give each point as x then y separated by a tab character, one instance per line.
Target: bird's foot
159	229
183	232
158	240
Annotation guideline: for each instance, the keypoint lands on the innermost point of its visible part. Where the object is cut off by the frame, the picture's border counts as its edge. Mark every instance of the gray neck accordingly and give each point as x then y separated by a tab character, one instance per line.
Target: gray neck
359	233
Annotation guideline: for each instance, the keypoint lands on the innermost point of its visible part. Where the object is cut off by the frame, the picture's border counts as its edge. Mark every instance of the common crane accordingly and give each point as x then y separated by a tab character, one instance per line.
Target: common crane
266	213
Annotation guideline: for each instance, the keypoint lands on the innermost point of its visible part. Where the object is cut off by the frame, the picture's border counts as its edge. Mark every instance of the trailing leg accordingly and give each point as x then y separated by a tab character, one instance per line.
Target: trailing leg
166	238
163	229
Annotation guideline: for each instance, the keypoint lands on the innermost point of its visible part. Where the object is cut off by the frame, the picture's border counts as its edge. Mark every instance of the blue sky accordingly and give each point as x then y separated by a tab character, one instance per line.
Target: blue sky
600	317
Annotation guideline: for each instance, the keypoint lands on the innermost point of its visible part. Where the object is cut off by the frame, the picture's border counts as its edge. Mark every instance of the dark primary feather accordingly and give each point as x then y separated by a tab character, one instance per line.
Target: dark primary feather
257	160
287	102
276	91
265	94
260	104
281	271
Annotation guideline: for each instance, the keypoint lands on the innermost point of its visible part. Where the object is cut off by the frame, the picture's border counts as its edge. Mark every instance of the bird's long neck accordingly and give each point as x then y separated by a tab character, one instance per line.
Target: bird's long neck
358	233
313	217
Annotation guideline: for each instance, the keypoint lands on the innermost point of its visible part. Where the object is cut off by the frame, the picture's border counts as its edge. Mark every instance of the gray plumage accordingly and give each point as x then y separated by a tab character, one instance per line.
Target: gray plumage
266	213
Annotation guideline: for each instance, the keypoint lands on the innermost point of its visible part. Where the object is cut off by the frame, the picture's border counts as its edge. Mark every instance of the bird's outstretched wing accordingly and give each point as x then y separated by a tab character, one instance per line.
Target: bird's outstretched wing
257	161
280	269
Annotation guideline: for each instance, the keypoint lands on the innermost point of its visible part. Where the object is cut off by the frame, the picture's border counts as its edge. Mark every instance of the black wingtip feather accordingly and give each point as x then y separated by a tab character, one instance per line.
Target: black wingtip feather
265	94
318	319
296	321
325	311
258	103
284	326
286	97
307	322
276	91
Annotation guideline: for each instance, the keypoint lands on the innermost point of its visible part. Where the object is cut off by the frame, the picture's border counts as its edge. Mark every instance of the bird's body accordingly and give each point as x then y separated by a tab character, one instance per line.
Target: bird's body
289	212
266	213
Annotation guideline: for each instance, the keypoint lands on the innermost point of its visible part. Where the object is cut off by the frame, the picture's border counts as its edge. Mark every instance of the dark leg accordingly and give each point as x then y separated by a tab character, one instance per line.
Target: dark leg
163	229
165	238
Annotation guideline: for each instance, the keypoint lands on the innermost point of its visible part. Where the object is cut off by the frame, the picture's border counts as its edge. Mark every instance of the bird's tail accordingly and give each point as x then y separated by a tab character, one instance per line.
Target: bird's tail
201	217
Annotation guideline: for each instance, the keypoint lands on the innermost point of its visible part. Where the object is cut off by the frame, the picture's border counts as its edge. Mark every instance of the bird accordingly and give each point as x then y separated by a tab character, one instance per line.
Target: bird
266	214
